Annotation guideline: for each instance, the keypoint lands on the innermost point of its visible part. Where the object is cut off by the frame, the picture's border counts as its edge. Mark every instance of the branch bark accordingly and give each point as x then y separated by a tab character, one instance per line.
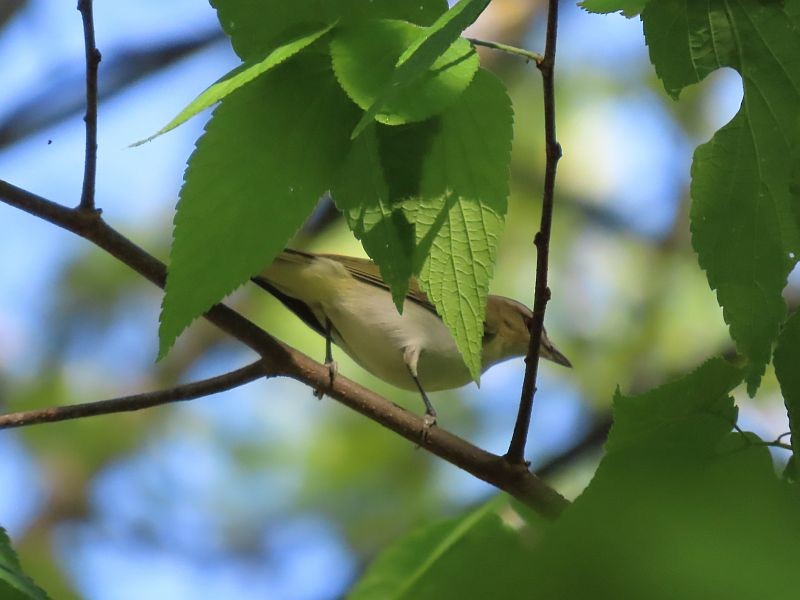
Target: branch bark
516	449
181	393
282	360
92	62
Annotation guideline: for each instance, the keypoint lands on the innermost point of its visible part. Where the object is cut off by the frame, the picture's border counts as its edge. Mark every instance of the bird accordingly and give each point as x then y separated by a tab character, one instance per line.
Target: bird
345	300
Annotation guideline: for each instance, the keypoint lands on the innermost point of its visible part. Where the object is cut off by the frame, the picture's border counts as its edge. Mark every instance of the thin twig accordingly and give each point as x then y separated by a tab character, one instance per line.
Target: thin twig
189	391
521	52
516	449
283	360
92	61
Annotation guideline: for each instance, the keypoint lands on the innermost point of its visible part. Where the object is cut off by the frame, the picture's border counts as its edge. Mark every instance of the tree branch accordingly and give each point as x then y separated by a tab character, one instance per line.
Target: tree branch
516	449
282	360
181	393
92	61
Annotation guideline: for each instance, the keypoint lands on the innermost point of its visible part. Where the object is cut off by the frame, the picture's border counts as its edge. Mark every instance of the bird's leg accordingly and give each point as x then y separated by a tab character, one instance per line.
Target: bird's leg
410	357
329	362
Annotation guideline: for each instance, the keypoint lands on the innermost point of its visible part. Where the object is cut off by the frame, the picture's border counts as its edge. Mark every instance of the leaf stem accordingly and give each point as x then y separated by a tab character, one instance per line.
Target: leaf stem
516	449
521	52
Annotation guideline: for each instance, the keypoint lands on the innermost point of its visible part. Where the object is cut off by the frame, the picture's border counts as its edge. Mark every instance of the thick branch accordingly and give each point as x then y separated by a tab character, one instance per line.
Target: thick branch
181	393
516	449
280	359
92	61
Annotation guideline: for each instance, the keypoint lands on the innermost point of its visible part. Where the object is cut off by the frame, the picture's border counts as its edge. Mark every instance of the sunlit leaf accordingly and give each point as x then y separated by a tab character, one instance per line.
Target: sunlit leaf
256	28
460	210
364	57
269	151
419	56
240	76
363	195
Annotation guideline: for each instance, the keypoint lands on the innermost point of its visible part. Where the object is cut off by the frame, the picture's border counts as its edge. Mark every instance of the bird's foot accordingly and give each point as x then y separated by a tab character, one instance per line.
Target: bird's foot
333	369
428	421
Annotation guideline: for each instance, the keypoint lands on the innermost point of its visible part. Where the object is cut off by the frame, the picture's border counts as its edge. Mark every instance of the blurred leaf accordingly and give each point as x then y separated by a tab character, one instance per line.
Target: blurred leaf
695	409
745	228
419	56
268	153
364	57
240	76
14	584
787	369
473	556
682	496
629	8
256	28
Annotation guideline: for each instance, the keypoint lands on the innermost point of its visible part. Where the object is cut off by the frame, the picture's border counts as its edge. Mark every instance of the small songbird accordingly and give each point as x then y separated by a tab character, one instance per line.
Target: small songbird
345	300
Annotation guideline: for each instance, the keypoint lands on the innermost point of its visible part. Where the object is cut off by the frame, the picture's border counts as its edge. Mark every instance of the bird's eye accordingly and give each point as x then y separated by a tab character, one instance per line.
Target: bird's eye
488	335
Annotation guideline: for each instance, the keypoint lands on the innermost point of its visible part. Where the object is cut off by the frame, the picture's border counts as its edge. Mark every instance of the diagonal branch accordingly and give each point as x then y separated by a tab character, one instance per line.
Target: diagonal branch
516	449
92	62
282	360
189	391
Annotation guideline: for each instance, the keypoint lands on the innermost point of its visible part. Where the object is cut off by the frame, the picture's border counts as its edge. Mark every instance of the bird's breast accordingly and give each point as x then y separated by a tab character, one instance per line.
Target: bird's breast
375	335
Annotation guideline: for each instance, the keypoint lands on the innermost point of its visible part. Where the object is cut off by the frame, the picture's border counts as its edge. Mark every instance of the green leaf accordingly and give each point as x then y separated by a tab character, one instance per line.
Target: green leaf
460	209
256	28
362	195
419	56
629	8
240	76
787	361
473	556
364	57
744	215
14	584
676	492
695	409
269	151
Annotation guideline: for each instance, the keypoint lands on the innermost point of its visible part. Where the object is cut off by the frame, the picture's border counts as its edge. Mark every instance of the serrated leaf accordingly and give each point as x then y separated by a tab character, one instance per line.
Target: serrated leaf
694	410
745	227
269	151
256	28
460	209
474	556
362	195
419	56
629	8
787	369
364	57
240	76
14	583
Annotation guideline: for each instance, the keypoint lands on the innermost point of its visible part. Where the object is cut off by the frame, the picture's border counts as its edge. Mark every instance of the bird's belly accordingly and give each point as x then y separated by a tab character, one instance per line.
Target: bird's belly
377	336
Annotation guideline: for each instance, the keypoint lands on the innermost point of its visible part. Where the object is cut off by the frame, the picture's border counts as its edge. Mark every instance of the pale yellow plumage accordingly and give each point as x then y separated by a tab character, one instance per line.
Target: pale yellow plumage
346	297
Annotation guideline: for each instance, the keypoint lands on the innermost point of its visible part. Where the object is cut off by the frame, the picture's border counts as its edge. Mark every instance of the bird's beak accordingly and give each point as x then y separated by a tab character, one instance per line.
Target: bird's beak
550	352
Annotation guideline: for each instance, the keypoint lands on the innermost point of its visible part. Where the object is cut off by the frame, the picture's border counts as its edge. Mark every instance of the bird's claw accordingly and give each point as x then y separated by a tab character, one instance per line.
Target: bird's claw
428	421
333	370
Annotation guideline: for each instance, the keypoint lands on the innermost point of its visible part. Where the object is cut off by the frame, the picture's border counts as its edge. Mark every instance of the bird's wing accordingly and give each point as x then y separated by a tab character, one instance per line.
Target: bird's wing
367	271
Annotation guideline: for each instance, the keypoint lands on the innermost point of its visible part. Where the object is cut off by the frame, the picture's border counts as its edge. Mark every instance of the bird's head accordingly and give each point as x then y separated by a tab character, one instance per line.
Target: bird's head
506	333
